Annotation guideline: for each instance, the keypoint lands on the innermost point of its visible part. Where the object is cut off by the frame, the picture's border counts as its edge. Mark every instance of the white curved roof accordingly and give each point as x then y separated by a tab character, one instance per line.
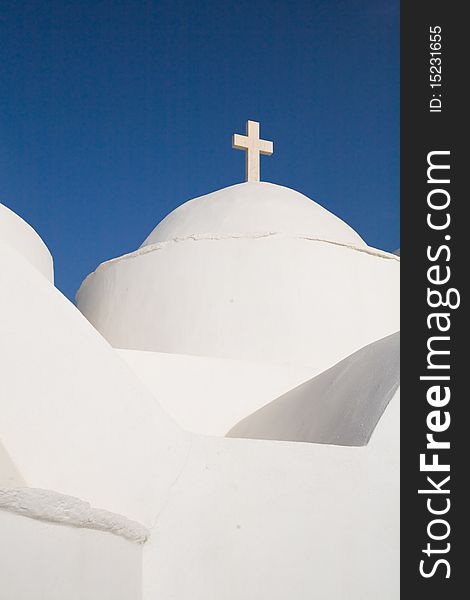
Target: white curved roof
248	208
16	232
342	405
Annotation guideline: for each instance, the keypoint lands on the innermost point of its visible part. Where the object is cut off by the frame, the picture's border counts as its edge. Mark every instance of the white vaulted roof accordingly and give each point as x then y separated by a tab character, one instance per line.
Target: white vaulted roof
253	208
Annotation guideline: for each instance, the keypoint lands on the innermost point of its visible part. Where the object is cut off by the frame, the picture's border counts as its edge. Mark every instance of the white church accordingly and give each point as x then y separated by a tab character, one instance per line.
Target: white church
217	418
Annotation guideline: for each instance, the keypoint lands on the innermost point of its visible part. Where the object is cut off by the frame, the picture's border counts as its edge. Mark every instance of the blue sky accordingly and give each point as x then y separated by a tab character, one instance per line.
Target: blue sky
112	113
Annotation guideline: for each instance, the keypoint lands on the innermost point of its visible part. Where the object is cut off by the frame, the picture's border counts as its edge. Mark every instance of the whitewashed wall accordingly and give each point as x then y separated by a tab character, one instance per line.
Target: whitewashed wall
229	518
273	299
74	418
260	519
210	395
42	560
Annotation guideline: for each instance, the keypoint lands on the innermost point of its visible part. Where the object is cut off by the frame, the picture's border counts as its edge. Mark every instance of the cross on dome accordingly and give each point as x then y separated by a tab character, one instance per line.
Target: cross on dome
253	146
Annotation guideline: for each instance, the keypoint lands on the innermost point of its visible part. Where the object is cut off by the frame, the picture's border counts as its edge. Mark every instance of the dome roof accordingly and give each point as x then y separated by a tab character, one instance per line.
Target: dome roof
23	238
253	208
253	272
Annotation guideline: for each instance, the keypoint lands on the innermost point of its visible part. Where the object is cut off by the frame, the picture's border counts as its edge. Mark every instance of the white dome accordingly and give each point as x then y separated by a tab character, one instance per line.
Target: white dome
22	237
253	208
253	272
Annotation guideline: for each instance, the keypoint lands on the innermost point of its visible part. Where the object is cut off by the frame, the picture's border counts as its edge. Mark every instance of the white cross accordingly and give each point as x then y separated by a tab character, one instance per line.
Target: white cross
253	147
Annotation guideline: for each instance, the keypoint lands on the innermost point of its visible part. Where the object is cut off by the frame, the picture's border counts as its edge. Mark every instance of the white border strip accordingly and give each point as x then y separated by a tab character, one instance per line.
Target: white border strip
46	505
236	236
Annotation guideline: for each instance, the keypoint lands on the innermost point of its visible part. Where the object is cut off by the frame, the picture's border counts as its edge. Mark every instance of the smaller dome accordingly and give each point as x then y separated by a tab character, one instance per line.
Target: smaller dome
254	208
24	239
